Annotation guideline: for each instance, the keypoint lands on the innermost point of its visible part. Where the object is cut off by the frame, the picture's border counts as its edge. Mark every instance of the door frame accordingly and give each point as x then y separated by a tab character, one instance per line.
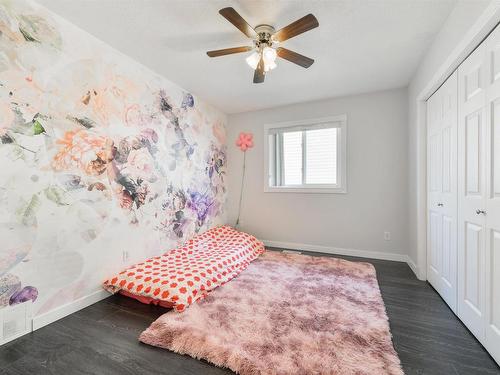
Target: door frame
476	34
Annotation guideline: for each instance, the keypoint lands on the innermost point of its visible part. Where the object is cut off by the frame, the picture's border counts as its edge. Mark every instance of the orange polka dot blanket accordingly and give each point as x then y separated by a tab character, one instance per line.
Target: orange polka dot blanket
187	273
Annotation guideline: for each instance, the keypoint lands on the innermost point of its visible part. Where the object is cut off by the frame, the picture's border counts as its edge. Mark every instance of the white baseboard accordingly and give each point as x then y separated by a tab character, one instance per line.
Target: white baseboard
72	307
414	267
67	309
341	251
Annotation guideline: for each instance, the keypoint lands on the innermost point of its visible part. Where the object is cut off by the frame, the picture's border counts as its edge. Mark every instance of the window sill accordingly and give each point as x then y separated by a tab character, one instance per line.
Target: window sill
310	190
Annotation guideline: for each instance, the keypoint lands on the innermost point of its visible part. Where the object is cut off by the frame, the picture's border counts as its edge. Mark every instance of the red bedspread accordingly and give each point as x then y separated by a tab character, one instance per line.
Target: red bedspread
187	273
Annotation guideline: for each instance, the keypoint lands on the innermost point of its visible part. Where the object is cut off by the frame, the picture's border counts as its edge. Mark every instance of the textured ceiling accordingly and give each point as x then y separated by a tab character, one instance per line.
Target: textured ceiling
360	45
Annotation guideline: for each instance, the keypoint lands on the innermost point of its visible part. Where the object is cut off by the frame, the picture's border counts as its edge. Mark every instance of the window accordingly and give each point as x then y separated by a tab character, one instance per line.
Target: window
306	156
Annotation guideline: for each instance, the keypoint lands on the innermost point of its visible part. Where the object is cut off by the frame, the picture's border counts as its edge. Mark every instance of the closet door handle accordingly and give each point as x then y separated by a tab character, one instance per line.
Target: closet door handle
479	212
440	205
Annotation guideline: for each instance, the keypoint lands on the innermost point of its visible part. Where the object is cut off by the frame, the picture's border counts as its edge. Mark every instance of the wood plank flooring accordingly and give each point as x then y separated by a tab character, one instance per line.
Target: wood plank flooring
102	339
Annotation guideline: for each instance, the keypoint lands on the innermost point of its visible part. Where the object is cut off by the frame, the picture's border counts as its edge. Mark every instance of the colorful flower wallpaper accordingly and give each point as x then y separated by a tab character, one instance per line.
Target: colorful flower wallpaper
102	162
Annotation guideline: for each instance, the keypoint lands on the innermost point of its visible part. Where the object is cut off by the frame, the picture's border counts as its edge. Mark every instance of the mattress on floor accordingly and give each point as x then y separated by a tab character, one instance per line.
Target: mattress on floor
187	273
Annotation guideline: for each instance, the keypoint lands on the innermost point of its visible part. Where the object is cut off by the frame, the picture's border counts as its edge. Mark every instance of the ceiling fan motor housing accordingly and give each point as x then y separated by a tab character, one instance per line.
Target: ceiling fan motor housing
264	35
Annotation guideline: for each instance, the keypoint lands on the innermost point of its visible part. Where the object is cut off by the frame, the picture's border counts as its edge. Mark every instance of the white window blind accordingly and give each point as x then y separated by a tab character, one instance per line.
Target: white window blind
321	156
292	158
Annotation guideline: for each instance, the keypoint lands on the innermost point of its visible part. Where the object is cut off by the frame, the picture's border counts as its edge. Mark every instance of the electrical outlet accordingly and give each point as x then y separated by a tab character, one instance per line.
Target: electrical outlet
15	321
125	255
387	236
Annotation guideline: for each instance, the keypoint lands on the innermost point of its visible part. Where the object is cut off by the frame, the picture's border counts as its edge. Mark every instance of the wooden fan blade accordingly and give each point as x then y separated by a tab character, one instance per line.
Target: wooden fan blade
233	16
294	57
228	51
300	26
259	74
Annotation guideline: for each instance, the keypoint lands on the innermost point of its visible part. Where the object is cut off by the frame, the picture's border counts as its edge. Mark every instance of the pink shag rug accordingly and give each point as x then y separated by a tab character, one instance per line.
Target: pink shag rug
287	314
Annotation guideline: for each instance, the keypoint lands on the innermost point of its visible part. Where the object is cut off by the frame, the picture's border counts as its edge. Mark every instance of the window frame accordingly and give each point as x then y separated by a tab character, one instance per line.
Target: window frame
339	122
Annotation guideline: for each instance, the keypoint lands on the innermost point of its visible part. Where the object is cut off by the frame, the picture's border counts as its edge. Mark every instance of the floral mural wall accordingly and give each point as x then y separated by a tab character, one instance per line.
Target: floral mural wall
99	158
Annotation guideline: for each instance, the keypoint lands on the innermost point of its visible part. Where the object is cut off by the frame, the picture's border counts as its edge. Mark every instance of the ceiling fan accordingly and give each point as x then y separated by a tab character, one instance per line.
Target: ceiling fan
265	41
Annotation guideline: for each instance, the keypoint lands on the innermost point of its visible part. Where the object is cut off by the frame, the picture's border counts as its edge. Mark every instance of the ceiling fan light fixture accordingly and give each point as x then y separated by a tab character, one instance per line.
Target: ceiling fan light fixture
253	60
269	54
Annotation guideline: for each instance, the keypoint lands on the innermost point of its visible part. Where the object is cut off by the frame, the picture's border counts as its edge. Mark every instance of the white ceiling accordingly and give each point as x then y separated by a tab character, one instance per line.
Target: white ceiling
360	45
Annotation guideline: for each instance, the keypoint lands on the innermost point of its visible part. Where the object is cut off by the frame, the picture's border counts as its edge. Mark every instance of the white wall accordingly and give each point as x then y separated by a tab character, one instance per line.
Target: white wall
377	179
441	59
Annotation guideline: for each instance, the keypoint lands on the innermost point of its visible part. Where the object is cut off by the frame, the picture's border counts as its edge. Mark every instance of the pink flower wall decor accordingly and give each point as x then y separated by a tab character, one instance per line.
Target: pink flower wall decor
245	141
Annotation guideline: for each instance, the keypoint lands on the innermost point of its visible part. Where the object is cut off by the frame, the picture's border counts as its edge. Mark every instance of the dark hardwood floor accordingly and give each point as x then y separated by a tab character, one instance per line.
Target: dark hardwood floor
102	339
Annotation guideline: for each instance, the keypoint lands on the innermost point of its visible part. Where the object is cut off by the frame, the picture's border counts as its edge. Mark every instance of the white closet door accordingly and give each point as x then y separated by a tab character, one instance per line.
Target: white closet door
434	166
492	203
442	203
448	202
472	190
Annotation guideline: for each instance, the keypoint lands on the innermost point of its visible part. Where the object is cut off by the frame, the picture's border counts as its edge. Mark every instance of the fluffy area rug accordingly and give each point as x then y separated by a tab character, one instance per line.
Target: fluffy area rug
287	314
